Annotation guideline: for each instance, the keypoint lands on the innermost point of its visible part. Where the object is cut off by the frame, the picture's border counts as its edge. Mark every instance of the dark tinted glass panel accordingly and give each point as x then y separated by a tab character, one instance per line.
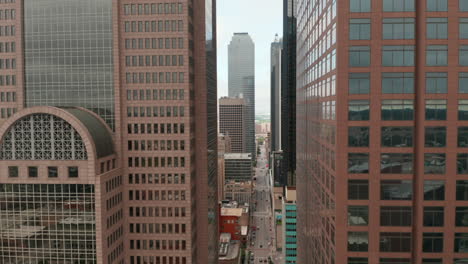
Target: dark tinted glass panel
463	137
358	189
433	216
462	109
395	242
359	56
358	110
396	190
399	82
358	261
394	261
434	190
52	172
434	163
433	242
358	163
462	191
358	215
73	172
397	110
462	163
463	81
461	216
436	82
435	137
13	171
396	163
68	54
398	28
359	29
397	137
358	136
461	241
32	172
436	109
395	216
358	241
432	261
359	83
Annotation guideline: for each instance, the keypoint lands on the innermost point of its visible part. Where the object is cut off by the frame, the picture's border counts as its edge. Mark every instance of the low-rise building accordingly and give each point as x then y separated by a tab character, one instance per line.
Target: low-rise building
235	221
238	167
238	191
289	226
229	250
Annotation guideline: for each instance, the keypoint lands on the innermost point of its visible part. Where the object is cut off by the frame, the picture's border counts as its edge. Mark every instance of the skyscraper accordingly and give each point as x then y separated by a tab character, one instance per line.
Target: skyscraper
101	116
288	93
232	122
381	121
275	93
241	81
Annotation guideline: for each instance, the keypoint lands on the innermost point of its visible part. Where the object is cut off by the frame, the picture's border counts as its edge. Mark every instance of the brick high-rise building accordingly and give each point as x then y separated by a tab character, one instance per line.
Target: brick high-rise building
232	122
108	130
382	103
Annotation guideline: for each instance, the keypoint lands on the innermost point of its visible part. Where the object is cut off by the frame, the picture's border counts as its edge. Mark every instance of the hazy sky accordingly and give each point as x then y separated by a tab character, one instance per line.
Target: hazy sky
262	19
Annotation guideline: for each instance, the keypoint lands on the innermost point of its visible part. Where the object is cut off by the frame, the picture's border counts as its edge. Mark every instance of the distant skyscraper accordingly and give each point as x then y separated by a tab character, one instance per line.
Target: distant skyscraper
241	71
382	131
232	122
288	94
108	135
275	93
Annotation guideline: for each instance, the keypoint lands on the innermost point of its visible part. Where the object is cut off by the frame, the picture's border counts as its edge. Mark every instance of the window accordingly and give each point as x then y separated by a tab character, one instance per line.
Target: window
358	261
358	163
359	28
463	81
462	109
358	110
52	172
358	215
396	163
397	110
436	82
433	216
358	136
433	242
461	239
359	83
460	260
395	216
358	189
73	172
435	137
462	191
398	83
397	137
12	171
32	172
434	163
398	5
395	242
436	109
436	5
434	190
436	27
463	5
359	56
359	6
462	163
463	28
461	216
396	190
398	55
436	55
463	137
398	28
358	241
463	55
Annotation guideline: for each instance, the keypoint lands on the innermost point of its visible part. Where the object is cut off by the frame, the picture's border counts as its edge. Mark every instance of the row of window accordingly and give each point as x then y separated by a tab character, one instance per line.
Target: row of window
113	183
162	111
402	163
6	47
359	110
107	165
401	137
154	26
403	82
143	244
405	5
156	145
153	77
401	190
358	215
402	242
156	162
154	43
150	228
158	260
7	80
150	195
403	55
156	94
404	28
154	60
146	211
7	96
114	218
114	200
7	112
7	14
150	9
7	31
33	172
7	1
155	128
156	178
114	236
114	254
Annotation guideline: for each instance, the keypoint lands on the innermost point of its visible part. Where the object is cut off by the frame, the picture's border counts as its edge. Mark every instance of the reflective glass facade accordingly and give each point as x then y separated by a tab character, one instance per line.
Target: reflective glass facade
47	224
68	54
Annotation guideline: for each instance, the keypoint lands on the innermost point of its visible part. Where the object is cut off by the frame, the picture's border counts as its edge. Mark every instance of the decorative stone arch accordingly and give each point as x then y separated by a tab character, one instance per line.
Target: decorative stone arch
60	134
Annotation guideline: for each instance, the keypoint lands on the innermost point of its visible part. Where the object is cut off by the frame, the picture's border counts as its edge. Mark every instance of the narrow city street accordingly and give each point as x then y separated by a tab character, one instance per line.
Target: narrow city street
262	235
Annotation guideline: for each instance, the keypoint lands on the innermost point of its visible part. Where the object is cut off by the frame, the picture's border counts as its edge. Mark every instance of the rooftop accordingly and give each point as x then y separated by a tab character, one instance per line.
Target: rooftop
246	156
231	211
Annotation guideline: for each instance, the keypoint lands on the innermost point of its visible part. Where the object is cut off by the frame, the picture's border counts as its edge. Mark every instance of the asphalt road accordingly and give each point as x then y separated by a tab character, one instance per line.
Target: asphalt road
262	246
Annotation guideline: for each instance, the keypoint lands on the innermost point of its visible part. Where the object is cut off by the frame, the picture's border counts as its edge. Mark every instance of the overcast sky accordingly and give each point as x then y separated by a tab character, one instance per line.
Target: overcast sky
262	19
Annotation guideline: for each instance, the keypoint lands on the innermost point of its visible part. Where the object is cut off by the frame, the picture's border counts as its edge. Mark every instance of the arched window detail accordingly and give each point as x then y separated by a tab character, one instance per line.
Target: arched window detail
42	137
